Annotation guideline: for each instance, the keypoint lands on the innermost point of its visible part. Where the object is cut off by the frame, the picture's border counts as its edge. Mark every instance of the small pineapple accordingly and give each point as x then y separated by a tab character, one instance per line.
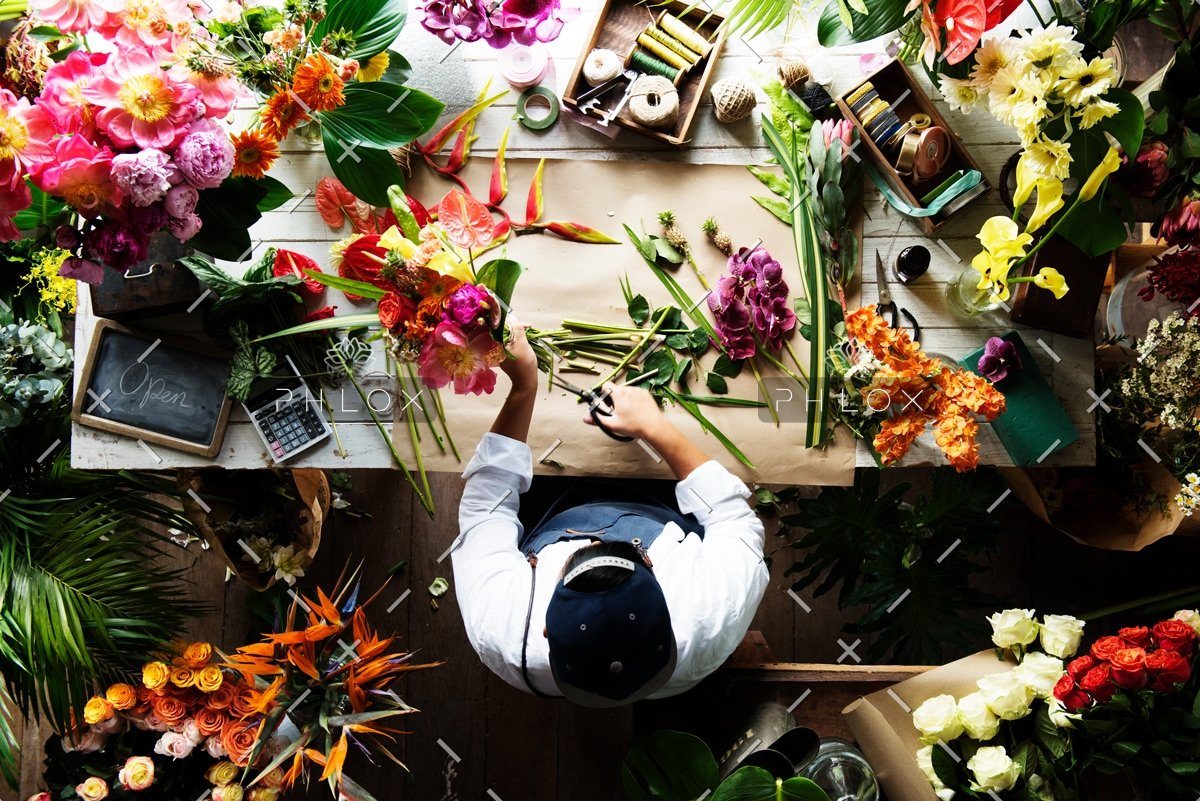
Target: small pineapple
672	232
719	238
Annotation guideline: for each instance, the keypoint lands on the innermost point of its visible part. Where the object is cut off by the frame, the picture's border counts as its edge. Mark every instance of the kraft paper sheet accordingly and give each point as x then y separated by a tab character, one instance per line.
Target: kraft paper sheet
572	280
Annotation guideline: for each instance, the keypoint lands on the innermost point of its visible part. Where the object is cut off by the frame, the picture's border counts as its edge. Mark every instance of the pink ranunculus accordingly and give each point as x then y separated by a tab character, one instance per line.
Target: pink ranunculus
141	103
62	91
451	355
74	16
80	174
14	197
26	131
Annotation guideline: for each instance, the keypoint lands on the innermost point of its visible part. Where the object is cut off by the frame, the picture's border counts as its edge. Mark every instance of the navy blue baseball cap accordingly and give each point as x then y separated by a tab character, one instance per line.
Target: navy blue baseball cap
611	647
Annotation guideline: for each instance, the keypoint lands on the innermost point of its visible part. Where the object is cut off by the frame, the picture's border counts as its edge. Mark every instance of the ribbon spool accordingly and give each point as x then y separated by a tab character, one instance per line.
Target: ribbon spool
663	52
523	66
933	150
677	47
536	123
647	64
654	102
601	66
685	34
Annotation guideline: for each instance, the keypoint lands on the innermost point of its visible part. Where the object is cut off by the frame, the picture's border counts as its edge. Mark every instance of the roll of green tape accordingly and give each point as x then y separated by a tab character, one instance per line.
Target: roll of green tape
537	123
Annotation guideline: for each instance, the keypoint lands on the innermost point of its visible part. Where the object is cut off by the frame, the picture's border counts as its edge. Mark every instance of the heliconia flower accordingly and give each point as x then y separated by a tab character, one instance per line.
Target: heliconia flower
80	173
498	189
62	91
141	103
26	131
74	16
451	355
577	232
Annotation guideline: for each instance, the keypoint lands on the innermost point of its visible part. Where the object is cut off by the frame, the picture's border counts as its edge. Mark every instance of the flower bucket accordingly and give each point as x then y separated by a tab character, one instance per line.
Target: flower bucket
224	492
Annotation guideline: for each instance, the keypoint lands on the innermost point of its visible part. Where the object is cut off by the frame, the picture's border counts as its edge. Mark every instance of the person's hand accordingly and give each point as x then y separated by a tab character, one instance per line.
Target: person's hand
635	412
520	364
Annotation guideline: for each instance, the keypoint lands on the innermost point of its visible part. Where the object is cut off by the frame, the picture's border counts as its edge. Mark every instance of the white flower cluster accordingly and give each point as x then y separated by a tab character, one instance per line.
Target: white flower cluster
1188	499
1029	80
1001	696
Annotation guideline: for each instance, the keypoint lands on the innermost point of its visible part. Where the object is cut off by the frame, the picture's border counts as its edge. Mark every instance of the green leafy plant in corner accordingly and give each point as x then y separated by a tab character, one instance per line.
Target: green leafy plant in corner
908	563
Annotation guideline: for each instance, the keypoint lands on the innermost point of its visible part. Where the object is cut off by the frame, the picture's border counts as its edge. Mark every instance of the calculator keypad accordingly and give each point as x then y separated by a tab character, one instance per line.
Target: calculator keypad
288	428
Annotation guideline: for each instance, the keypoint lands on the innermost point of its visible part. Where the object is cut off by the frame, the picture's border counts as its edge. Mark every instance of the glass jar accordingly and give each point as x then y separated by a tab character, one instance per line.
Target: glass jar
842	772
966	298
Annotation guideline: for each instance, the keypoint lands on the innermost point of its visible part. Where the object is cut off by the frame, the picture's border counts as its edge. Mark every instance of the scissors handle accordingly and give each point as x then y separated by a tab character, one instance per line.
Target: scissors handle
601	406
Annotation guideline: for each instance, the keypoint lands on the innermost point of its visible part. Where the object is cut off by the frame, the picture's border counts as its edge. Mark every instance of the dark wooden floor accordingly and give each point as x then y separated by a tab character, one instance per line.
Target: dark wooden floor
476	738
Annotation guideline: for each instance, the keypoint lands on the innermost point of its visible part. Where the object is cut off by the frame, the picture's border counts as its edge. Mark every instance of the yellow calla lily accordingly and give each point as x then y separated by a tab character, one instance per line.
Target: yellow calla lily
993	273
1027	178
446	264
1001	237
1049	201
394	241
1051	279
1107	166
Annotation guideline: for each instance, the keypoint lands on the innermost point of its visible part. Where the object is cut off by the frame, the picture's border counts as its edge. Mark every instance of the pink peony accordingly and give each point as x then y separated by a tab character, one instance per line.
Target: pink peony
181	200
147	24
205	155
80	174
26	132
471	305
62	91
185	227
145	176
140	103
14	197
450	354
219	93
74	16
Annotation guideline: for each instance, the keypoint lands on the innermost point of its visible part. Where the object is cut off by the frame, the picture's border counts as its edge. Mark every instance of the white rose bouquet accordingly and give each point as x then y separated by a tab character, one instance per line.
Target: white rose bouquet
1006	740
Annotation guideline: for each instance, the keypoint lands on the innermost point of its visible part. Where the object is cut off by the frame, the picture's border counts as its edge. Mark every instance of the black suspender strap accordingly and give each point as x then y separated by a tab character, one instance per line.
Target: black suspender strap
532	558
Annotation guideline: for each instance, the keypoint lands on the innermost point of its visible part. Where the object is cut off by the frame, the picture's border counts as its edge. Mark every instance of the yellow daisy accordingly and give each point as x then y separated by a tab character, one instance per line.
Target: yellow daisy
993	55
1050	158
375	67
1084	81
1096	111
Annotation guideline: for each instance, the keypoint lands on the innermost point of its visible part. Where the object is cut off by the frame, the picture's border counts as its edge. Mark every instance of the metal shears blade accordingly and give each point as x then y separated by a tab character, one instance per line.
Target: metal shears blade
599	406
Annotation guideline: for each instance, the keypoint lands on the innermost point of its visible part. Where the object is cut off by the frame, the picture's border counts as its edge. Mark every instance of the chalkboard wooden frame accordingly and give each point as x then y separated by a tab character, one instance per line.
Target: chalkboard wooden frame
84	380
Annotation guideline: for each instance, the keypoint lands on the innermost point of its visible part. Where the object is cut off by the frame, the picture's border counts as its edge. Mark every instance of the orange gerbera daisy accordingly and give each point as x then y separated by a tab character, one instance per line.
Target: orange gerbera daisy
318	84
254	153
280	115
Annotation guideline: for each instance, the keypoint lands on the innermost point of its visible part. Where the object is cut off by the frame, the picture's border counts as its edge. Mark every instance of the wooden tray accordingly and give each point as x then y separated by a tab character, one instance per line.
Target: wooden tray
617	28
892	81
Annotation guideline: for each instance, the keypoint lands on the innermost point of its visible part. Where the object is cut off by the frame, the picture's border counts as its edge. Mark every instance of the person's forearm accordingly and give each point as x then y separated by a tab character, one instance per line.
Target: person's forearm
681	455
516	413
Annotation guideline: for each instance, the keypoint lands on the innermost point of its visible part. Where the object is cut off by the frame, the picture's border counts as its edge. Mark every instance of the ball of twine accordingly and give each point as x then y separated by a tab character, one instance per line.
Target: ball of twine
601	65
793	71
733	99
654	101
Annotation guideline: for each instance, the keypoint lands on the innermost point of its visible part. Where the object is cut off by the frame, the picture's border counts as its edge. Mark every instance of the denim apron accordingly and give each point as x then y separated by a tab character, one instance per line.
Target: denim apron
608	520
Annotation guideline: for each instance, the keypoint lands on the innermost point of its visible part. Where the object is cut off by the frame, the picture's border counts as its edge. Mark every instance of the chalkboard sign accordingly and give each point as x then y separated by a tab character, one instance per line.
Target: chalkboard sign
154	389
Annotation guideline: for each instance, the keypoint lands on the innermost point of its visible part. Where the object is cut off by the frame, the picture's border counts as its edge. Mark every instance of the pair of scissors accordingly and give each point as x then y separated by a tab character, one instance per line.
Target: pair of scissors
599	406
888	307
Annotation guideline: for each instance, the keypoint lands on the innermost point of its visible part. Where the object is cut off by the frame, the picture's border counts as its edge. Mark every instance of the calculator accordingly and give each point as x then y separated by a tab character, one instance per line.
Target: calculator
286	415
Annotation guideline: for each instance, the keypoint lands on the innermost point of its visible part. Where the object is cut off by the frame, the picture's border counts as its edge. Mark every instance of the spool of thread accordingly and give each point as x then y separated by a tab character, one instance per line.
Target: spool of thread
654	102
600	66
662	51
684	33
647	64
674	44
523	66
733	99
858	94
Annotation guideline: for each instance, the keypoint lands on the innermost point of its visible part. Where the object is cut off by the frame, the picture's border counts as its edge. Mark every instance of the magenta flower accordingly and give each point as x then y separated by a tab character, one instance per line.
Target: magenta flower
185	227
509	21
84	270
26	131
999	356
205	155
62	91
464	20
14	197
181	200
115	245
467	360
471	306
80	174
733	318
145	176
141	103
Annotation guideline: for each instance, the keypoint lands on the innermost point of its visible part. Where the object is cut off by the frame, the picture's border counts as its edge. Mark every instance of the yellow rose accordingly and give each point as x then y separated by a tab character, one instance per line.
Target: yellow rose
155	675
92	789
137	774
263	794
230	792
1107	166
1052	279
183	676
209	679
222	773
97	710
197	655
272	779
121	696
1049	202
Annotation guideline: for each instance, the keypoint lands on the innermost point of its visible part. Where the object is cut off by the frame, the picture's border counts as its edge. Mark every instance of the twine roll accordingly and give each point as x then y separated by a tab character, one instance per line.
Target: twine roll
684	33
674	44
733	99
662	51
647	64
600	66
654	102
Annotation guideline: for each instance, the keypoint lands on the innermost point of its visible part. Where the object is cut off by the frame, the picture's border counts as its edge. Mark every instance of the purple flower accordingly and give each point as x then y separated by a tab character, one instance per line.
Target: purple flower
84	270
144	177
471	305
733	319
205	156
755	284
185	227
181	200
999	355
521	21
67	237
115	245
147	219
464	20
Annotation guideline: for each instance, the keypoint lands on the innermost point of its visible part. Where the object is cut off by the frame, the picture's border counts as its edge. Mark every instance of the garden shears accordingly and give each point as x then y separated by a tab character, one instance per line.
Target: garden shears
888	308
599	406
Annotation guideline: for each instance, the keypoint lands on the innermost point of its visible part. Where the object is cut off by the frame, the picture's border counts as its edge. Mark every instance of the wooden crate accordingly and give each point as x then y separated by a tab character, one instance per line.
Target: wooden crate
894	81
617	28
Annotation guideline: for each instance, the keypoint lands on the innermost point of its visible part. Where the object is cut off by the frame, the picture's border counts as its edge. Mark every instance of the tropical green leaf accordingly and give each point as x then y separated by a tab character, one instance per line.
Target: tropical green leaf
668	766
882	17
500	276
381	115
368	172
347	285
756	784
328	324
374	24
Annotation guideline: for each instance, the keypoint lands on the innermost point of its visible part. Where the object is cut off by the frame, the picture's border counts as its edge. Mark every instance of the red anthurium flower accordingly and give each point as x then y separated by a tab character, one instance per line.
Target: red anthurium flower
963	22
998	12
289	262
468	222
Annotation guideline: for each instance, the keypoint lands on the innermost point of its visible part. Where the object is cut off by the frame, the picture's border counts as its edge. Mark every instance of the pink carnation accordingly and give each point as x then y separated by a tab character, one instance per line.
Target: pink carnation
62	91
450	354
79	173
140	103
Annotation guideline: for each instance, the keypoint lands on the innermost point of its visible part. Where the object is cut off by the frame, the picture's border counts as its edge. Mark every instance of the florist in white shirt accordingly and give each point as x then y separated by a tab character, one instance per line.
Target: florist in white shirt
606	600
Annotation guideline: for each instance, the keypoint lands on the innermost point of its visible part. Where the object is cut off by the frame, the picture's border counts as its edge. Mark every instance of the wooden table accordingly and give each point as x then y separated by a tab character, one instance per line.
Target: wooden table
456	75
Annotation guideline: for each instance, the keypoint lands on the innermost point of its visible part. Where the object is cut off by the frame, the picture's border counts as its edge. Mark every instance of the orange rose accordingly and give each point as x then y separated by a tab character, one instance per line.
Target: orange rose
155	675
97	710
183	676
122	696
170	710
197	655
238	738
209	679
210	721
221	697
243	703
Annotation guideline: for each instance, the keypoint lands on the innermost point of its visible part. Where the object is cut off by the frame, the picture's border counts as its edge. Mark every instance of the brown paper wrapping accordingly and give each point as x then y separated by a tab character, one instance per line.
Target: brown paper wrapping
883	727
571	280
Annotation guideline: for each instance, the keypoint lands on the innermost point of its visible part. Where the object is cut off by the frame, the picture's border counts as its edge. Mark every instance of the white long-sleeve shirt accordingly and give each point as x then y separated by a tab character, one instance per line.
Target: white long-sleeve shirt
712	585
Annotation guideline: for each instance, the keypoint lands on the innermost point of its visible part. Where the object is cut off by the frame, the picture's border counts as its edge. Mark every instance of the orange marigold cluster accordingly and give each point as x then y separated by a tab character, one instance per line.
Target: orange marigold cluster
919	391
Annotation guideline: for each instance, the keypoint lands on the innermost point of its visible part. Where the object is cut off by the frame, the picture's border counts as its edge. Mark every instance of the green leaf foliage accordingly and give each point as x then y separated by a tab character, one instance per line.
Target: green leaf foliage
374	24
756	784
380	114
881	17
668	766
500	276
368	173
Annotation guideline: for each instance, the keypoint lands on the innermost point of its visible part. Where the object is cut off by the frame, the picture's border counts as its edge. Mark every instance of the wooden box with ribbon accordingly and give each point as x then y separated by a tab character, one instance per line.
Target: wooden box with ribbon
913	156
659	59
